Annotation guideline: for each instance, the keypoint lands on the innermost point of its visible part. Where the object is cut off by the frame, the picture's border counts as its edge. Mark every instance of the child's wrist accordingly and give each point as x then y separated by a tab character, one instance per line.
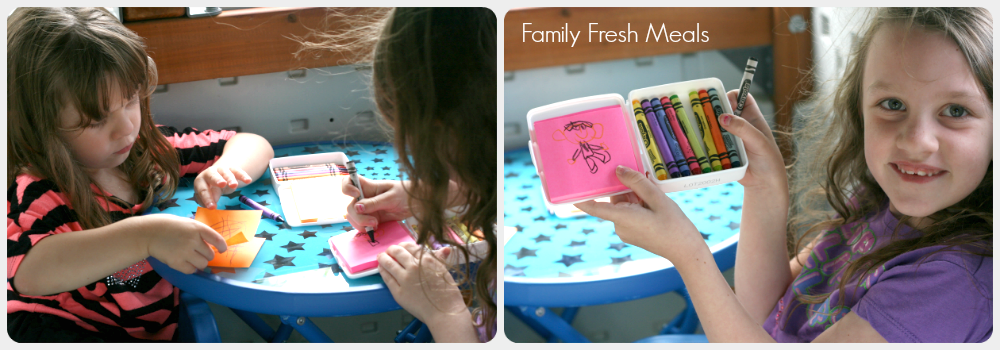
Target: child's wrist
449	321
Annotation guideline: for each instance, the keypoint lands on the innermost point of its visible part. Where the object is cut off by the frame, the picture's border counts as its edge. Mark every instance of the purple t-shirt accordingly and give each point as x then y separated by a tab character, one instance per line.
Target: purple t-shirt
485	335
947	298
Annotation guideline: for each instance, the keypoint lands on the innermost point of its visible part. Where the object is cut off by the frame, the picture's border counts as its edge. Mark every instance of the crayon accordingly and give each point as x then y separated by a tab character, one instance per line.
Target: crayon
748	73
713	124
353	171
706	132
678	168
728	138
267	212
691	134
678	132
647	140
668	134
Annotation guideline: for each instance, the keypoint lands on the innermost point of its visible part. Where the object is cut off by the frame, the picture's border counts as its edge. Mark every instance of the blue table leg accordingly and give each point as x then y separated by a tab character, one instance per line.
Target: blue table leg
307	328
547	324
281	335
687	321
255	323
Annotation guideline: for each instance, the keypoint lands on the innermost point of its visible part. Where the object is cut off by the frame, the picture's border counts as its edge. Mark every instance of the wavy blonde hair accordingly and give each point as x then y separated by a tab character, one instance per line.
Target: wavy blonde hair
838	176
434	81
60	56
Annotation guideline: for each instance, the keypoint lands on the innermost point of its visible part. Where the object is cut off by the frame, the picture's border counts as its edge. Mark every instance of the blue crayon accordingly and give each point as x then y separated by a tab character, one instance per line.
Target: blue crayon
727	138
675	147
670	141
661	142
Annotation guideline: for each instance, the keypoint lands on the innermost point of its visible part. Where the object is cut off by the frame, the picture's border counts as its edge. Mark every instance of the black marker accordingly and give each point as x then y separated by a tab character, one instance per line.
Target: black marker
353	173
741	98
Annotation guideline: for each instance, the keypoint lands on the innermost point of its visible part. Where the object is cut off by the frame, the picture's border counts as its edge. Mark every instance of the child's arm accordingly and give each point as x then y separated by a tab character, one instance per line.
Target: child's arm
249	152
453	329
386	200
69	260
762	275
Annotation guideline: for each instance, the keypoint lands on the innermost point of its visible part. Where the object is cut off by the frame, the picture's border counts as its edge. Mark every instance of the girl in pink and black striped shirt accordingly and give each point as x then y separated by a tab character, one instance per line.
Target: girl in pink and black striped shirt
84	159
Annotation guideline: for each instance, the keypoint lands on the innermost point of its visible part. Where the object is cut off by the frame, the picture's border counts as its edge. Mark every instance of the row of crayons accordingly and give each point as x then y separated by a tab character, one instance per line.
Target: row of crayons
671	142
299	172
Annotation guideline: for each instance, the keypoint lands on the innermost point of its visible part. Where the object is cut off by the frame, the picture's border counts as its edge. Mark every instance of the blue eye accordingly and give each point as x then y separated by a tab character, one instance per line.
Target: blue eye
892	104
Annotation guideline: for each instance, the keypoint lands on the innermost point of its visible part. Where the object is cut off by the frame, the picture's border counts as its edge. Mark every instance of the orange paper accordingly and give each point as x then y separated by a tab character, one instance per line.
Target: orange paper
237	227
240	255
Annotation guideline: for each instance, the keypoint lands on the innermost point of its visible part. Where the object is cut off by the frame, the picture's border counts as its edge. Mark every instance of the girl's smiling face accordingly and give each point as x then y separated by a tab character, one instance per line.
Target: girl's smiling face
928	123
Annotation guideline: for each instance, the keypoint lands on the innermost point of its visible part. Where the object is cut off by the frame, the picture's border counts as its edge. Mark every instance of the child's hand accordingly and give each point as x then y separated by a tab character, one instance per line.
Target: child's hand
181	243
384	201
646	218
767	170
423	286
215	181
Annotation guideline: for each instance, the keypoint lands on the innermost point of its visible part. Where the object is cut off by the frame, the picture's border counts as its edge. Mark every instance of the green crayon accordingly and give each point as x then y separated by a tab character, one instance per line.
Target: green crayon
729	139
692	137
706	133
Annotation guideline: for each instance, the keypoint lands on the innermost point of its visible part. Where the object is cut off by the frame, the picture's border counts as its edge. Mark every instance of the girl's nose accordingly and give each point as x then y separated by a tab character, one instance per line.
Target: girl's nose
125	124
918	136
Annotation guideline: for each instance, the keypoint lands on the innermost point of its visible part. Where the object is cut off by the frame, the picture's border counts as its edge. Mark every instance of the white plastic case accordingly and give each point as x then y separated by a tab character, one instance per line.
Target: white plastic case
681	89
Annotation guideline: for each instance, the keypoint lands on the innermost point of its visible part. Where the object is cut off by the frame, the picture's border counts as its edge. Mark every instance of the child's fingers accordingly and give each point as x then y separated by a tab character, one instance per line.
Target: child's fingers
387	265
755	141
241	175
347	186
751	112
402	256
606	211
644	189
207	197
213	238
227	175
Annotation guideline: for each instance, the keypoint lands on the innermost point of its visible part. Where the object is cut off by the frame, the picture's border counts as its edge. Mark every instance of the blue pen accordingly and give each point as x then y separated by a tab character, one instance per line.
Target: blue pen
267	212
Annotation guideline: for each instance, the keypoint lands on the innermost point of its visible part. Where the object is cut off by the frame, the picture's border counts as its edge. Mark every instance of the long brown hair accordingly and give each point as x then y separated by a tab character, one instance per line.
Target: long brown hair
74	56
434	81
839	177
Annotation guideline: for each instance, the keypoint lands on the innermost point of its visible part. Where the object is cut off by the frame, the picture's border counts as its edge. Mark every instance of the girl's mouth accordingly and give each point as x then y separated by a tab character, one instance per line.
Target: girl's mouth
917	174
124	150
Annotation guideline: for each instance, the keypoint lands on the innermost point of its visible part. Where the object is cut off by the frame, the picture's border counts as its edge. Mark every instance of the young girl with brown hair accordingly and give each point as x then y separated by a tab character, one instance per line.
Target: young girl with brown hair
905	160
84	160
434	82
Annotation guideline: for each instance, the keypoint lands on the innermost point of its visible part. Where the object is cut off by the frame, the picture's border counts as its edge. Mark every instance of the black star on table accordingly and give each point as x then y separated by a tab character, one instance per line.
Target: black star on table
387	174
697	194
729	184
510	175
386	168
264	203
542	238
576	243
704	235
327	253
528	163
725	193
570	259
733	225
525	187
534	176
508	161
284	226
293	246
342	145
325	226
687	201
280	261
351	153
261	193
713	217
714	201
540	218
588	231
736	207
184	182
346	228
560	226
191	199
307	234
311	150
265	181
333	267
522	198
621	260
233	195
618	246
357	161
511	270
379	151
699	209
377	160
525	252
233	207
265	235
519	228
168	204
601	220
528	208
369	168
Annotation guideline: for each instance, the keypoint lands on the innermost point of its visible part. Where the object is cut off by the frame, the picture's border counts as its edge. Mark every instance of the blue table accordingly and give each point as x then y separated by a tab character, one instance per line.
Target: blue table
554	262
294	275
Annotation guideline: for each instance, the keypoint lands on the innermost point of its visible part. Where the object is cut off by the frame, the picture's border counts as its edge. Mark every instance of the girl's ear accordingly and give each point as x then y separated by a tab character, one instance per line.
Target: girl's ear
558	135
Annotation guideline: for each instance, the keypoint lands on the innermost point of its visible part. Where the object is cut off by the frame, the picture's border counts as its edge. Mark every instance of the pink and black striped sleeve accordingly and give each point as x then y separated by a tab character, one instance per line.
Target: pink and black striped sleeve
197	149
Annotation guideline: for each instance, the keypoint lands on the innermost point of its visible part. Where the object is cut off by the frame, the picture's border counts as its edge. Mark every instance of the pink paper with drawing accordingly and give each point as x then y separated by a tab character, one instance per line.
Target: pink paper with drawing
580	151
356	253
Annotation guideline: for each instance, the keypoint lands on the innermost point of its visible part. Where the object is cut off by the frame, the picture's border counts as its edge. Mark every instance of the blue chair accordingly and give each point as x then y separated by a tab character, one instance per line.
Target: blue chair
415	332
680	329
196	323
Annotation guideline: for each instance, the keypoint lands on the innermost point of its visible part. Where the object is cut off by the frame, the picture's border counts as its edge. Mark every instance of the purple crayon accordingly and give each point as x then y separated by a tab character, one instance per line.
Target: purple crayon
267	212
679	165
661	143
672	139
